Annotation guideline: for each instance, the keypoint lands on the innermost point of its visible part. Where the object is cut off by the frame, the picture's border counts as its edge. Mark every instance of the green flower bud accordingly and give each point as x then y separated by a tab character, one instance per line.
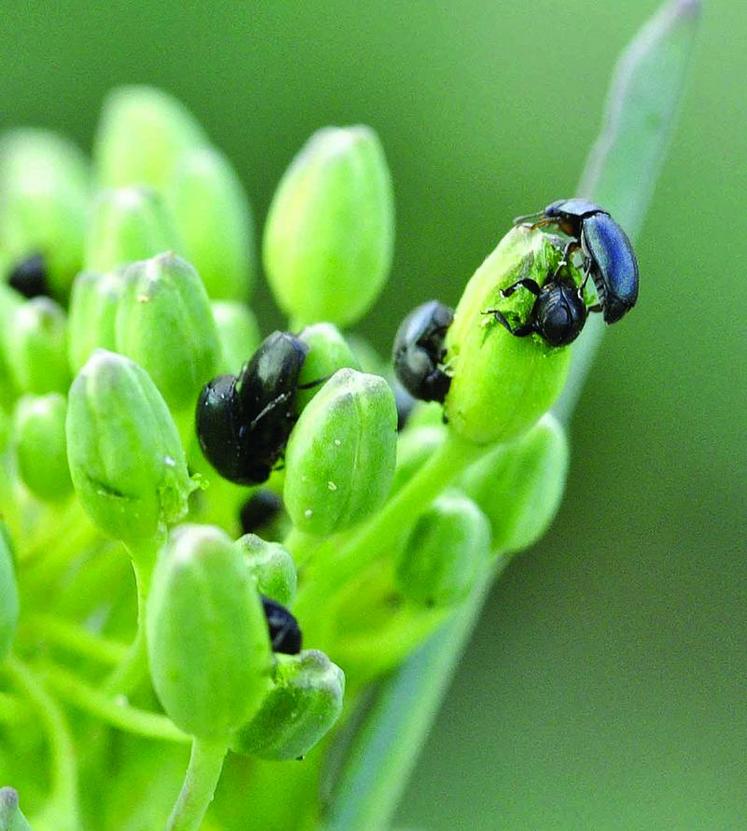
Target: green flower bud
340	458
271	566
126	225
445	553
11	818
41	446
93	308
520	485
238	333
415	447
142	135
165	324
126	461
304	703
36	347
207	636
330	231
8	597
215	221
44	182
328	352
501	383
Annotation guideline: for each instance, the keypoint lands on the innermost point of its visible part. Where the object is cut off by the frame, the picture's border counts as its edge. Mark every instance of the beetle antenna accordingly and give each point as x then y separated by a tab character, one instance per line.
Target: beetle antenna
521	220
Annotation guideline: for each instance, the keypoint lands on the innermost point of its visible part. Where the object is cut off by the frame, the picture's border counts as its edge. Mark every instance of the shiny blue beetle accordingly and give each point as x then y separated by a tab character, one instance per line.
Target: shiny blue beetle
608	253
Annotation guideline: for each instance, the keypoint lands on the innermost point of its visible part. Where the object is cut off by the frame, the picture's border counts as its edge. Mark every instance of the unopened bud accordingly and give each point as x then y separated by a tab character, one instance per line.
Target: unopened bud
445	553
341	454
215	221
165	324
8	597
93	309
36	346
519	485
207	635
330	231
126	461
271	566
304	703
41	446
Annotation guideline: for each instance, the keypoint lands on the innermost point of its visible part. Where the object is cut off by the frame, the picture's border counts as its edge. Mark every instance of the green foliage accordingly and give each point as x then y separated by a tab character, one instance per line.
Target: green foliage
9	605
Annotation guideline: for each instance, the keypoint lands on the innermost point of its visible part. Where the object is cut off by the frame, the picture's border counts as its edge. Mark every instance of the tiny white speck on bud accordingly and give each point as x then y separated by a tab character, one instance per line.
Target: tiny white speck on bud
308	513
332	486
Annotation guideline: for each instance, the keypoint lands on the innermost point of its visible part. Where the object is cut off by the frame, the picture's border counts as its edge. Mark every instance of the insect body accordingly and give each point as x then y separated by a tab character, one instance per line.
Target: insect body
243	423
259	510
285	633
418	351
608	253
558	313
29	277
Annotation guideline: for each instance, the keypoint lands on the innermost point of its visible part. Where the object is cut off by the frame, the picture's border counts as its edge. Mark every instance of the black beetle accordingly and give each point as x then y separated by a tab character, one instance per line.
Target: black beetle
29	277
285	633
259	510
558	313
609	255
418	351
243	423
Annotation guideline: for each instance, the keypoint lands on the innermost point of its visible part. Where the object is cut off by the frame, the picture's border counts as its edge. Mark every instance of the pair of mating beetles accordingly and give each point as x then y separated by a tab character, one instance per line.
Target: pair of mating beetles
559	311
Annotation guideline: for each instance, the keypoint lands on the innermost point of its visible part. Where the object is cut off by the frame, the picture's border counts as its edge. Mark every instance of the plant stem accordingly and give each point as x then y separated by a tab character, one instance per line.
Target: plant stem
120	715
133	669
200	782
76	639
63	798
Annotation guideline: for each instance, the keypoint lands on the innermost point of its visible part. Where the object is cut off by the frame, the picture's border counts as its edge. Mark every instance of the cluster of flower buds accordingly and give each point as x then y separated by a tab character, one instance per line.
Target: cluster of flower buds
141	410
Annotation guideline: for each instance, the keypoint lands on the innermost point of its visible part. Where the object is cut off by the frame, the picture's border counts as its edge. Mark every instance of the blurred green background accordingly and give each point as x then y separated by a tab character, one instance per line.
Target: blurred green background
606	684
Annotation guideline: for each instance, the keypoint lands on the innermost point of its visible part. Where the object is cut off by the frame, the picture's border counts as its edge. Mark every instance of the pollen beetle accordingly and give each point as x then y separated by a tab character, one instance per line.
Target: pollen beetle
558	313
259	510
243	423
29	277
608	253
285	633
418	352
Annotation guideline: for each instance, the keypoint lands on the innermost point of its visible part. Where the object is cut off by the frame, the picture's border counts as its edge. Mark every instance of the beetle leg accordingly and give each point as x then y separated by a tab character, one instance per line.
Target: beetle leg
595	308
565	259
519	331
311	384
527	283
276	402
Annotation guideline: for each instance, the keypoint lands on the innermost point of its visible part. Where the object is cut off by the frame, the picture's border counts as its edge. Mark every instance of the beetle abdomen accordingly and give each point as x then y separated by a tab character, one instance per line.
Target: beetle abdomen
614	266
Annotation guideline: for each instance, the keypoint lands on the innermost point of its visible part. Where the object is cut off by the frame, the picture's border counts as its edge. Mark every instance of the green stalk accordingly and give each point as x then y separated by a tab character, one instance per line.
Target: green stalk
620	174
122	716
200	782
62	807
76	639
134	667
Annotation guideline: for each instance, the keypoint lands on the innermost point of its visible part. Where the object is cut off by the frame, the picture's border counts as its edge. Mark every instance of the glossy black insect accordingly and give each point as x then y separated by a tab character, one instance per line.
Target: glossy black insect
243	423
259	510
419	352
29	277
558	313
405	404
285	633
607	251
